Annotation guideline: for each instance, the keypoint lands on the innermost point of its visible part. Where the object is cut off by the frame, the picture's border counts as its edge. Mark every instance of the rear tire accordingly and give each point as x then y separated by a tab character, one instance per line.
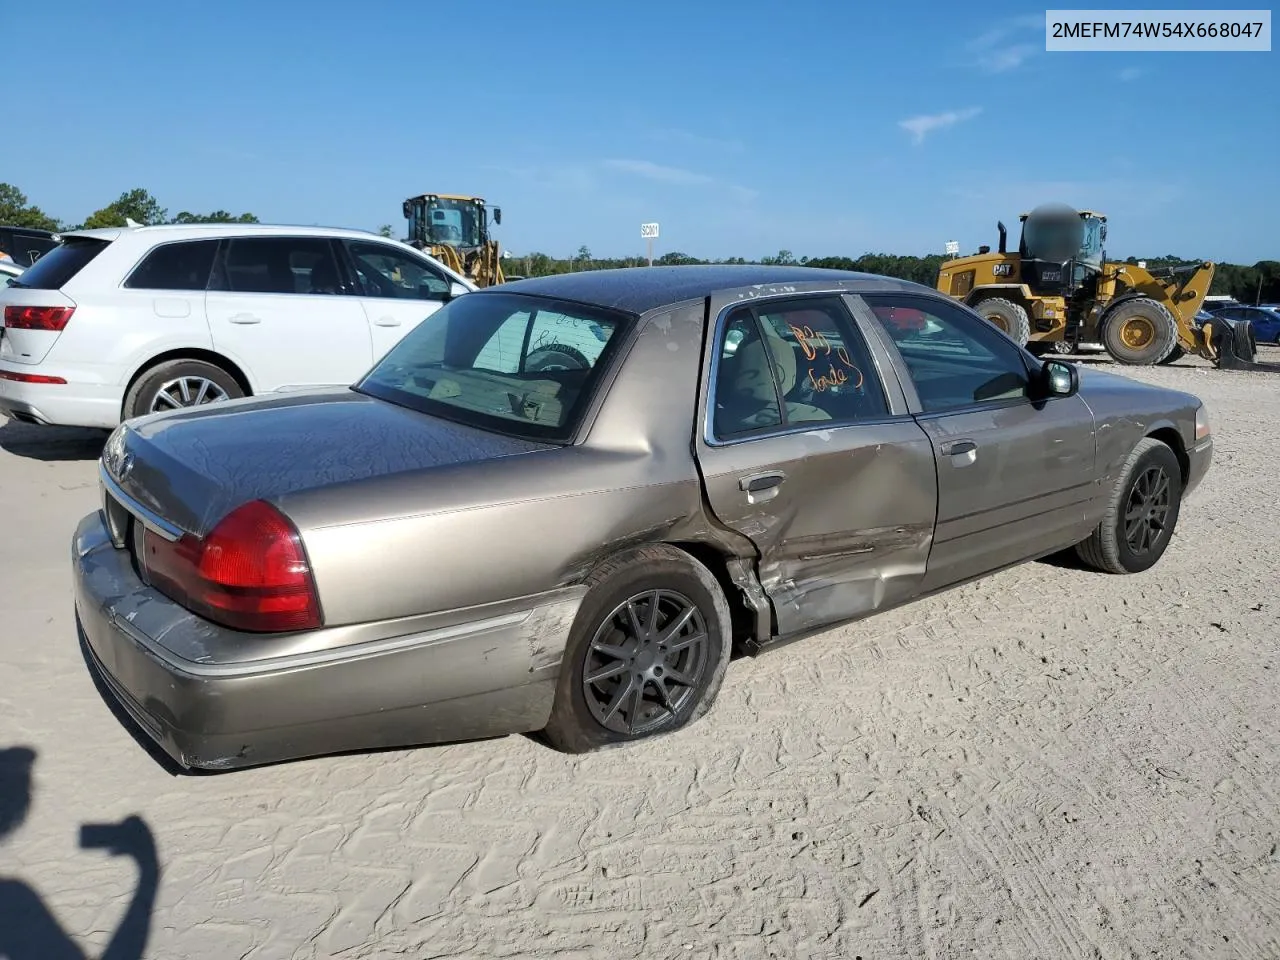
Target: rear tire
175	384
1140	332
1008	316
1141	515
604	643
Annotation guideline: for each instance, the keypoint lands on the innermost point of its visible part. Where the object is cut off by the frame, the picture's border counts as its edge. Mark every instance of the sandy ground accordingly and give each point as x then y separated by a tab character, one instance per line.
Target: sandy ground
1048	764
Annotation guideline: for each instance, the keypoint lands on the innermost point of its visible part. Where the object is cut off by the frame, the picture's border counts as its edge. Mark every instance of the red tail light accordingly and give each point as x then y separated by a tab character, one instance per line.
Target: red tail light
29	377
37	318
250	573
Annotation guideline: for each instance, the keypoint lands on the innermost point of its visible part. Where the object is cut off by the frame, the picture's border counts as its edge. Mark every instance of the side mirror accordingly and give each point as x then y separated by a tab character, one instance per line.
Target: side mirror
497	215
457	290
407	209
1059	378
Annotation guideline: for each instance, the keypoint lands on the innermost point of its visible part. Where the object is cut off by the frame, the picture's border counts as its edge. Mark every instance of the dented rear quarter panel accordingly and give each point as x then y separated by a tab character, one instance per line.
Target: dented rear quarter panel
485	531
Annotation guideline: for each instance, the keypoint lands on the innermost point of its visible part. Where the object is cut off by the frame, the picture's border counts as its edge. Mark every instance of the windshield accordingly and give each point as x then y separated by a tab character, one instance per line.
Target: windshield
1091	247
458	223
507	362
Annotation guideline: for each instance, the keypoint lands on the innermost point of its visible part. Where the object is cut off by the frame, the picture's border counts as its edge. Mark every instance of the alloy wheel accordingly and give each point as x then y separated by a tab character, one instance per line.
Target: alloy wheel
186	392
1146	515
645	662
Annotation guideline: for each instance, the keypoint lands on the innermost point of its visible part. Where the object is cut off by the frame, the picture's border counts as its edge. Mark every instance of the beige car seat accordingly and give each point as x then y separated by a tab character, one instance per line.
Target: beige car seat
751	401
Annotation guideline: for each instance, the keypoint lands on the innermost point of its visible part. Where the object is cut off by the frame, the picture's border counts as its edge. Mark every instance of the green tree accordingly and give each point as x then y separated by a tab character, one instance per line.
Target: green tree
675	258
385	230
218	216
137	205
16	211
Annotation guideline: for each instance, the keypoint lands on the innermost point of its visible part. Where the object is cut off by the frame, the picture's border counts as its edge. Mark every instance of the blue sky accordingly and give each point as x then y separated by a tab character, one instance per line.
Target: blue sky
743	127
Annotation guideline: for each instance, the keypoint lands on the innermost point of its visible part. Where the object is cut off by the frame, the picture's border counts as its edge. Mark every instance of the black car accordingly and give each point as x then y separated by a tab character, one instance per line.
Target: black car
26	245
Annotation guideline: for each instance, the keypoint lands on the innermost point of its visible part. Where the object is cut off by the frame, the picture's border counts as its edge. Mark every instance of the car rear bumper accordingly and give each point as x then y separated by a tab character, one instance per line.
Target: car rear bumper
70	404
477	678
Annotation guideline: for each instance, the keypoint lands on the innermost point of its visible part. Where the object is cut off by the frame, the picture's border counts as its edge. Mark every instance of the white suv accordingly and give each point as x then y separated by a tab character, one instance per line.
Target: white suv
118	323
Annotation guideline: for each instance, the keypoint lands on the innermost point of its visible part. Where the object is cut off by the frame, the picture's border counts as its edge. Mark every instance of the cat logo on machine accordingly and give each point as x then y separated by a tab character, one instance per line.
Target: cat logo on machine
1003	270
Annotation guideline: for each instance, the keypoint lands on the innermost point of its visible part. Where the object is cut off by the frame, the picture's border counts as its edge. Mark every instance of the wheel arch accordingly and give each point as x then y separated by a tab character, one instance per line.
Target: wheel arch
1019	293
189	353
1168	434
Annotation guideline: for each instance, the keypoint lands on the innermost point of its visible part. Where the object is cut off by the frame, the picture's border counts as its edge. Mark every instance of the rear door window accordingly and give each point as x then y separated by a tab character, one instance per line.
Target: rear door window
56	268
794	362
175	266
281	265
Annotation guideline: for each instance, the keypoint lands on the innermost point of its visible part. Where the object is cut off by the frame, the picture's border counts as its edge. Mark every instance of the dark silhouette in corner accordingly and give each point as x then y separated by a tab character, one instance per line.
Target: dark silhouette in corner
27	929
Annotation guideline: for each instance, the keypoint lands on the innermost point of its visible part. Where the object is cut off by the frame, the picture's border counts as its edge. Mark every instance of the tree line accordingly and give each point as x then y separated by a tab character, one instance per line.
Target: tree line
1248	284
1259	283
137	205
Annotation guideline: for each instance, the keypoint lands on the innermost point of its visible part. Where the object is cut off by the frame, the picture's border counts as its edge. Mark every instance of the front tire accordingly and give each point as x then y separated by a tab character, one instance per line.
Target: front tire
175	384
647	653
1008	316
1140	332
1177	354
1141	515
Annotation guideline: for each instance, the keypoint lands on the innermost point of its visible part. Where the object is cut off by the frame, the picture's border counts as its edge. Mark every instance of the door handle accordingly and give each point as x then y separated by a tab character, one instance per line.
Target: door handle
387	322
963	453
244	318
758	482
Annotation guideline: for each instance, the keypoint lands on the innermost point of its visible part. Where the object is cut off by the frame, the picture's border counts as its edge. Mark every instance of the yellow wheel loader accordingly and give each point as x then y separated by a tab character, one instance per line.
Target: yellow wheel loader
1059	290
455	230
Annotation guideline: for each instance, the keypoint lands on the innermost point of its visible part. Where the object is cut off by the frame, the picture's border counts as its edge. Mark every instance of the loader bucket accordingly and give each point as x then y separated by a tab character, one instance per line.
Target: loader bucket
1234	347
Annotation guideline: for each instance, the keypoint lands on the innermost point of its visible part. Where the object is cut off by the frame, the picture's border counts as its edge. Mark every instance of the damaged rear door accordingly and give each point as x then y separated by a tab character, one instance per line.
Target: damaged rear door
807	448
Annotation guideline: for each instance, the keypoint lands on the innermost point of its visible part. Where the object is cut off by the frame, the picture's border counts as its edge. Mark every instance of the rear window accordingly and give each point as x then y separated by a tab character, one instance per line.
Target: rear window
25	247
506	362
175	266
59	265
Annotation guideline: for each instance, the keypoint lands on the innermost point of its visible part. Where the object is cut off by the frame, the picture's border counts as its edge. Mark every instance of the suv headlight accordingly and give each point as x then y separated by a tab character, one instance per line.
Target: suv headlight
1202	422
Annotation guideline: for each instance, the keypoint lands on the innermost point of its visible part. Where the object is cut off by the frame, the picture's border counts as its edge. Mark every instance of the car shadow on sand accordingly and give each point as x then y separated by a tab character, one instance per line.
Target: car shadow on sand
29	930
53	444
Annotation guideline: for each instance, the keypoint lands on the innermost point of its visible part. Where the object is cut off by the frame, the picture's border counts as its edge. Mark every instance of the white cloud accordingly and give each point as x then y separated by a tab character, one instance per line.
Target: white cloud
648	170
1130	73
696	140
655	171
920	127
997	50
1007	58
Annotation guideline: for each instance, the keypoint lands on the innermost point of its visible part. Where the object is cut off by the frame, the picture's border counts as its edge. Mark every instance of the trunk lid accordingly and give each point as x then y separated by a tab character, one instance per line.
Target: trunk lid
192	467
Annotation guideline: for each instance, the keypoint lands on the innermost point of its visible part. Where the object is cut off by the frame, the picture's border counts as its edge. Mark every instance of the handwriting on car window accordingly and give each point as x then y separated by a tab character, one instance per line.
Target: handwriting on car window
839	368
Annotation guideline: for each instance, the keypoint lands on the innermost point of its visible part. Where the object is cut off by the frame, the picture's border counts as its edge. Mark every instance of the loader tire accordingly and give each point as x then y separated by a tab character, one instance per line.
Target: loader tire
1008	316
1140	332
1177	354
1141	515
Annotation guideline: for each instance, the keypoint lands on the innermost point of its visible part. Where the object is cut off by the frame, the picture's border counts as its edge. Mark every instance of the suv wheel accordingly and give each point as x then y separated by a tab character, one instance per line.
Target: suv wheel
175	384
